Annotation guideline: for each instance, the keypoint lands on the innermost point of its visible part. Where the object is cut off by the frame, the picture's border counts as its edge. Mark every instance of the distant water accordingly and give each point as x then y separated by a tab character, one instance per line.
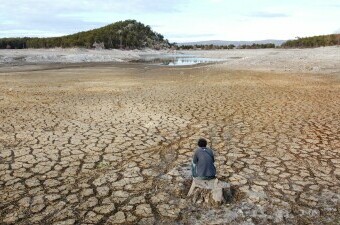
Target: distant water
175	60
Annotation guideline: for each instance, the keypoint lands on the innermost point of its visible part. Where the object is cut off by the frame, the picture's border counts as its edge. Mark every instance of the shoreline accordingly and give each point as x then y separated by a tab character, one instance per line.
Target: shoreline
323	60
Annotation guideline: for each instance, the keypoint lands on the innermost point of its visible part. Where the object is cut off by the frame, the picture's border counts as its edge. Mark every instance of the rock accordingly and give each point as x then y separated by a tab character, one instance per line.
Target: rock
52	197
37	208
280	215
91	202
137	200
73	198
92	217
237	180
168	210
260	182
149	172
104	209
32	182
270	164
120	196
174	172
255	197
87	192
257	188
51	183
147	221
24	202
117	218
297	188
144	210
103	191
11	218
65	222
210	191
309	212
337	172
127	208
107	178
166	177
273	171
160	197
130	218
314	187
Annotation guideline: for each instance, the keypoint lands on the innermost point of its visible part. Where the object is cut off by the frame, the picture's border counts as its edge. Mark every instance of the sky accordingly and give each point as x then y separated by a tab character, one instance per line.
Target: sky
177	20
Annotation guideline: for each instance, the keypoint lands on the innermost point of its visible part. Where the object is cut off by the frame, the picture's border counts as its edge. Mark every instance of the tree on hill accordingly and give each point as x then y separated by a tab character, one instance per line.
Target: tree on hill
128	34
312	42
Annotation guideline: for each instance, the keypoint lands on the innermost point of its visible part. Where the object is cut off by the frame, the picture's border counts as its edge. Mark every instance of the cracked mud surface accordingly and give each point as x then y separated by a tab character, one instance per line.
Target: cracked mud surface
111	145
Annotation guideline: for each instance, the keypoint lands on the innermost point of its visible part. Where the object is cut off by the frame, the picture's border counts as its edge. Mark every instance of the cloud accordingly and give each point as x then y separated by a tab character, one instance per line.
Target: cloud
65	16
182	37
177	20
216	1
334	5
45	25
66	6
264	14
33	33
189	35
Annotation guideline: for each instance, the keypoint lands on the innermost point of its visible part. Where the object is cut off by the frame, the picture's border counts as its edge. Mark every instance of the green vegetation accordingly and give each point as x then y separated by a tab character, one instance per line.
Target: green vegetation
128	34
204	47
231	46
257	46
307	42
312	42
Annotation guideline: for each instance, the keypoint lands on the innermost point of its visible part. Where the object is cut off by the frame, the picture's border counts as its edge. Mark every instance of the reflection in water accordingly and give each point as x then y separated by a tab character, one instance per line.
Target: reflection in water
176	60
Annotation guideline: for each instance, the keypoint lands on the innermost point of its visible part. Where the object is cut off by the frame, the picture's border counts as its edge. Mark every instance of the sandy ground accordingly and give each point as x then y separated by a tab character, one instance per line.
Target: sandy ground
112	145
75	55
319	60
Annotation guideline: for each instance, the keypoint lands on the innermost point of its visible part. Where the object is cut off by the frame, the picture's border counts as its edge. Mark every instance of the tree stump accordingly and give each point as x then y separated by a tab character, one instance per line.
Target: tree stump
213	192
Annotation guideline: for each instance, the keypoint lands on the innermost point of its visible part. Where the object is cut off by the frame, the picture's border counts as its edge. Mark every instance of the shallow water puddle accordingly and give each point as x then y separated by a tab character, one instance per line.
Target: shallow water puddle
176	60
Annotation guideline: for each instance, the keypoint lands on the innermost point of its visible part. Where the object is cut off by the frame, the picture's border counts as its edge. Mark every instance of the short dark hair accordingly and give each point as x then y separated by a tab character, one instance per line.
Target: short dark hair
202	142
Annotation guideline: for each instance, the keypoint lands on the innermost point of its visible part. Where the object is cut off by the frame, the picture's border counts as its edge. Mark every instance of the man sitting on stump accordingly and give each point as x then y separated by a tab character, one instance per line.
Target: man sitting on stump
203	162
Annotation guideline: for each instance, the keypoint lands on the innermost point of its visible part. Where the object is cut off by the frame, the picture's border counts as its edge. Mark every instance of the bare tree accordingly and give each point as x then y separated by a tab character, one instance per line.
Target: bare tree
120	32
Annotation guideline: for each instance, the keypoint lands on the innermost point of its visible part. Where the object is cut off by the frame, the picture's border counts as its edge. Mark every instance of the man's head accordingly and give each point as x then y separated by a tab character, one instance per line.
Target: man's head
202	143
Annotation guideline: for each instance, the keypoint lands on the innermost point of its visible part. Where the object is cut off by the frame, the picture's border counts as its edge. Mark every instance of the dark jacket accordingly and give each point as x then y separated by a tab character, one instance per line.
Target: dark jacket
204	160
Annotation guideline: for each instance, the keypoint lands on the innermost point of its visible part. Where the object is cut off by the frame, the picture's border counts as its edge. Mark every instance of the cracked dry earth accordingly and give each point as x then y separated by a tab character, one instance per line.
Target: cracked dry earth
112	145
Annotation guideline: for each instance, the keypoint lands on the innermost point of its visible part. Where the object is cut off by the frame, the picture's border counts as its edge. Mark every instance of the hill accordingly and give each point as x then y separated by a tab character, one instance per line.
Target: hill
236	43
128	34
314	41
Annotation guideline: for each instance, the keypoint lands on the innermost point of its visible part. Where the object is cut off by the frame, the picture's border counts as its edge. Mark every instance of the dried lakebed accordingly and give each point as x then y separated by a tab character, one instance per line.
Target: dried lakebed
111	145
